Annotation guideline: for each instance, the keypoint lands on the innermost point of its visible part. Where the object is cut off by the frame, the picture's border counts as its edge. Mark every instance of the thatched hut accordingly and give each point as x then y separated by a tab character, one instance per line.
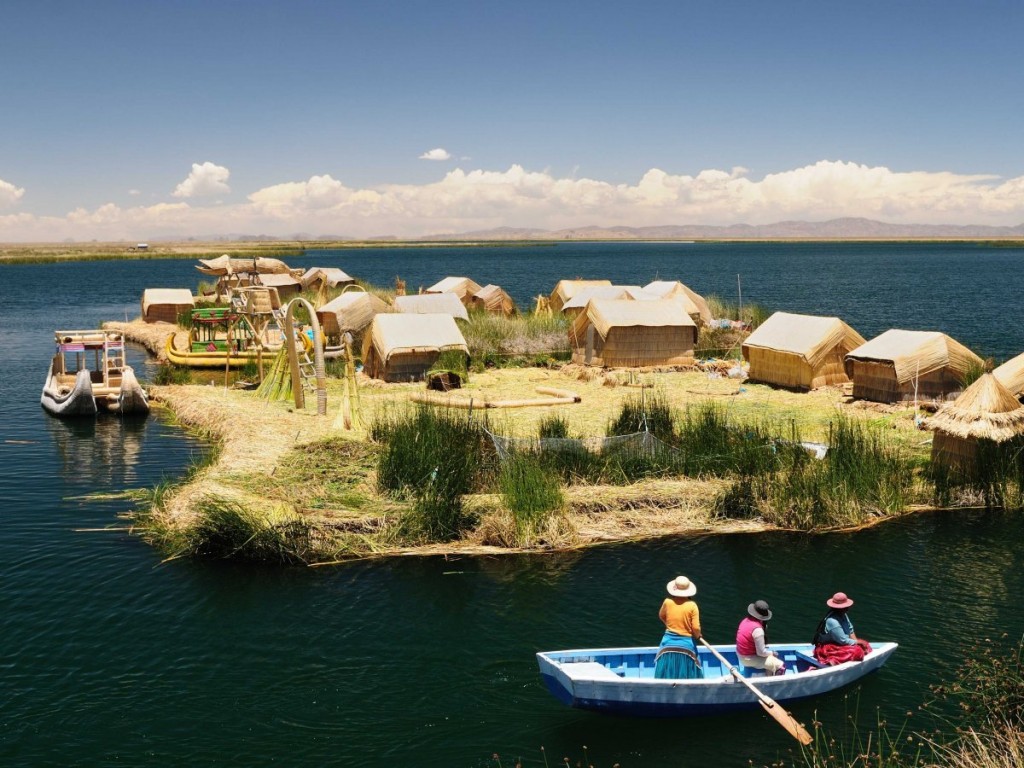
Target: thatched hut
431	304
622	333
566	289
800	351
287	285
462	287
351	312
1011	375
907	365
985	412
492	298
695	304
404	347
331	277
163	305
574	306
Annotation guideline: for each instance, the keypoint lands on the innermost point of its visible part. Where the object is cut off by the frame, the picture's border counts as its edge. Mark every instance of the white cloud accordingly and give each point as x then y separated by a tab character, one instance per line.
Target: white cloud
463	200
9	194
204	180
436	154
134	192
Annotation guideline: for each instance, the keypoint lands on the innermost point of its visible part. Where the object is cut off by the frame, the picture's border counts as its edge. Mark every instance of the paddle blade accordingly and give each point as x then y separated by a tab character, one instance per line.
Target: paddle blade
787	721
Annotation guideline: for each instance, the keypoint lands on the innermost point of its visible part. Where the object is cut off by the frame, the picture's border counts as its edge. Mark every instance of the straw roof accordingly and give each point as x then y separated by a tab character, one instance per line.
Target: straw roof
178	297
332	276
609	292
431	304
673	289
350	312
225	265
1011	375
566	289
809	337
606	314
916	353
462	287
493	299
396	334
985	411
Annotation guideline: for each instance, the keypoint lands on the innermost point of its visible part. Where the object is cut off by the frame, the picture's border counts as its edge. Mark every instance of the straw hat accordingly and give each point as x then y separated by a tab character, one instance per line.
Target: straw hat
759	610
839	601
681	586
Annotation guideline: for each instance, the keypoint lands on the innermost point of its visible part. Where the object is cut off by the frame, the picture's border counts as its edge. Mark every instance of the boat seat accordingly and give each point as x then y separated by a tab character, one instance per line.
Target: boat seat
590	670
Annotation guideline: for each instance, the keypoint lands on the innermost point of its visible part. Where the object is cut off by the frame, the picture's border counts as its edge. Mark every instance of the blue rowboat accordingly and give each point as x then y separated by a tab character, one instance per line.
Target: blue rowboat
621	681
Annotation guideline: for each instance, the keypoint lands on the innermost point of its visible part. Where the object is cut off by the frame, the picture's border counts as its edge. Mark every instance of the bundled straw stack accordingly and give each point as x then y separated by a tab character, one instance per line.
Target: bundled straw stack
986	411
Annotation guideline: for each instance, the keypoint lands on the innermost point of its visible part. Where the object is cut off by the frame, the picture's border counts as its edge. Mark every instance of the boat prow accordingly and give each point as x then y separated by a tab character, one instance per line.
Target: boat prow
132	398
621	680
62	400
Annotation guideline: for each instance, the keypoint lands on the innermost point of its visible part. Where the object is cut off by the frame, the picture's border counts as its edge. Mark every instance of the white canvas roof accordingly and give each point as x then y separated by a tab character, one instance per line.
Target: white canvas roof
391	333
583	296
432	303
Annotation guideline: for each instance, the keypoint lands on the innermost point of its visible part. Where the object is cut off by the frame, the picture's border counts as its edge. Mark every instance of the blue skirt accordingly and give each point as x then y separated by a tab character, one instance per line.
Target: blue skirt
677	658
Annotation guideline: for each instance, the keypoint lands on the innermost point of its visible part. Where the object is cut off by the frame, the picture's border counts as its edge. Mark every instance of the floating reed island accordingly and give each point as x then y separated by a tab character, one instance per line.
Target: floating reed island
605	413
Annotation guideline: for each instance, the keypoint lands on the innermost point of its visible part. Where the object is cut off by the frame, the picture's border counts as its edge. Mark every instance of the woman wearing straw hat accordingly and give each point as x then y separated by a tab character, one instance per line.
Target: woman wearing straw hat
835	641
677	655
750	640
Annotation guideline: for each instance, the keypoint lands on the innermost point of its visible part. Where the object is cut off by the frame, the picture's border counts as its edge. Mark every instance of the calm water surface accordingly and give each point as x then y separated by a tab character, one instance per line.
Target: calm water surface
111	656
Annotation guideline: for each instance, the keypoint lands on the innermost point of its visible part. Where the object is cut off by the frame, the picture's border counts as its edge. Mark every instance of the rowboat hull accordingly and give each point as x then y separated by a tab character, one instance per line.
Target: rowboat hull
621	681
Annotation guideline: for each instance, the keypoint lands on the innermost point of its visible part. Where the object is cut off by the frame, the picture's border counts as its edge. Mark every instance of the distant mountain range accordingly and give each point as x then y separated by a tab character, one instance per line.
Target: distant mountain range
834	229
847	228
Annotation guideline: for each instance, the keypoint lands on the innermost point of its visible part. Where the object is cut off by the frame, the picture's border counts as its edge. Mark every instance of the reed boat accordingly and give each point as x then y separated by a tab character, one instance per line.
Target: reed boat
88	374
621	681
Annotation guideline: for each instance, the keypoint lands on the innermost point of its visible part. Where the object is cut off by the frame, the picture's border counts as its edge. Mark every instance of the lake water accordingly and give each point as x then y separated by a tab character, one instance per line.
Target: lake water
112	656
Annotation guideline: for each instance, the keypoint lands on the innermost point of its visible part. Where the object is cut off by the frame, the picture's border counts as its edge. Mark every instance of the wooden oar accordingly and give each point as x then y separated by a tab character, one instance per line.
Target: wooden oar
781	716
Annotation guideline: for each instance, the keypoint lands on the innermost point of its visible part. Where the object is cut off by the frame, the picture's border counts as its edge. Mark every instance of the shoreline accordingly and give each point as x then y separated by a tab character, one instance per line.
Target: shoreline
55	253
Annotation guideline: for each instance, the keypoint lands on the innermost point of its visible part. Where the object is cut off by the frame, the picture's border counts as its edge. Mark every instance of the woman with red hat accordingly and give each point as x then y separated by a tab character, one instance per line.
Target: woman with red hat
835	641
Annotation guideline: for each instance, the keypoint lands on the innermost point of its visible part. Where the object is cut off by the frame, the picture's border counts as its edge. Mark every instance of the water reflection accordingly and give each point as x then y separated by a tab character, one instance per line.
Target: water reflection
103	451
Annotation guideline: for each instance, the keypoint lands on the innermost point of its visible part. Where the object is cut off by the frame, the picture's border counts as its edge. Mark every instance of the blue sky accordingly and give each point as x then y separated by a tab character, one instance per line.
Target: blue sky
111	103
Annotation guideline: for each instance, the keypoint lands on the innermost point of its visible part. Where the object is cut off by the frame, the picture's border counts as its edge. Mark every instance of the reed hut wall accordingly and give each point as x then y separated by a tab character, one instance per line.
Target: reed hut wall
876	380
955	453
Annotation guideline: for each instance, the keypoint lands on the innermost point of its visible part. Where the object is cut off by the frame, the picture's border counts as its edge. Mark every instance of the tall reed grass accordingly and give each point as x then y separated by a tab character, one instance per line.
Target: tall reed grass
433	456
862	475
994	478
530	491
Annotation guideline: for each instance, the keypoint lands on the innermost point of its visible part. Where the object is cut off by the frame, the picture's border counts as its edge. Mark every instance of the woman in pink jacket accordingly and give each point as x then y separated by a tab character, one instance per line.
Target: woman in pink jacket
750	640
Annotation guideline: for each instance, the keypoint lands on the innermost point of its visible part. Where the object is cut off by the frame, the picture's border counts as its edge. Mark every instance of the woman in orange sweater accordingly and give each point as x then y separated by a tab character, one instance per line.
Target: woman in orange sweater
677	655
